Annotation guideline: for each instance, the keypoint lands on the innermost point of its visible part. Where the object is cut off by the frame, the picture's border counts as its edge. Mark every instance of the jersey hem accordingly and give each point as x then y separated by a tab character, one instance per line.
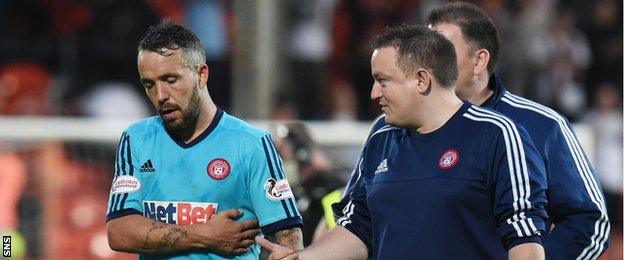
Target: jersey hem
286	223
121	213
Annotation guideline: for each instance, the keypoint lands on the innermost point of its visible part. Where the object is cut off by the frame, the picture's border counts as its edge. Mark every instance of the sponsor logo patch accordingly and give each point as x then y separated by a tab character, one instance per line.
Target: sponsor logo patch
218	169
449	159
179	213
277	190
125	184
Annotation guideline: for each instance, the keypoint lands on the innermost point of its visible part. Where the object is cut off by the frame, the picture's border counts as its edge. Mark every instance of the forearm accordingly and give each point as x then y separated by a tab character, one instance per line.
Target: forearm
527	251
290	238
138	234
338	243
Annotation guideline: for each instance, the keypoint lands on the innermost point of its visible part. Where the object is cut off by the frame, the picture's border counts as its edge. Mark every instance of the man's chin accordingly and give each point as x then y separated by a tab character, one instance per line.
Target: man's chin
172	124
392	122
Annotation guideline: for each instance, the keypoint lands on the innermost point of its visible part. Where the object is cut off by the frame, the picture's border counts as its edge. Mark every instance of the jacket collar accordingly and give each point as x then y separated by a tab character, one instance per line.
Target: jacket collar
496	85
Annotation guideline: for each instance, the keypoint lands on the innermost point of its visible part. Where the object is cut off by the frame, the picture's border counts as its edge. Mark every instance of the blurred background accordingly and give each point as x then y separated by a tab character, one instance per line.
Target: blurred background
69	86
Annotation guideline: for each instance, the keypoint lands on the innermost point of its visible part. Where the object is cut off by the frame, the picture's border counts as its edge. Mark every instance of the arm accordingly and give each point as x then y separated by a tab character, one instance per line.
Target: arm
137	234
271	195
527	251
337	207
338	243
290	238
321	229
576	203
519	181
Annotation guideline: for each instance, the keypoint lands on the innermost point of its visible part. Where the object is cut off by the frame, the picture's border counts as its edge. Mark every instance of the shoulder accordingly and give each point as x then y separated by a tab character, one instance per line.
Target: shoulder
490	121
145	127
379	122
238	128
531	114
381	132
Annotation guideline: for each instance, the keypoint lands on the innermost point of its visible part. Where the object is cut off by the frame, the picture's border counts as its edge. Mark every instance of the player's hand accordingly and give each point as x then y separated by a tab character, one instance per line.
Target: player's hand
276	251
227	236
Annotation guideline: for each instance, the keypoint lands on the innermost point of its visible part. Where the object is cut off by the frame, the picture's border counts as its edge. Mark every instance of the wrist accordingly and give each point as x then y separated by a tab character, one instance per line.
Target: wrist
196	240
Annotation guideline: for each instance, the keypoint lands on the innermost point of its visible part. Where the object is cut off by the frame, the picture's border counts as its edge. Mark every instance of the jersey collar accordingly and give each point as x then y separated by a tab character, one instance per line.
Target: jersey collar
203	135
495	84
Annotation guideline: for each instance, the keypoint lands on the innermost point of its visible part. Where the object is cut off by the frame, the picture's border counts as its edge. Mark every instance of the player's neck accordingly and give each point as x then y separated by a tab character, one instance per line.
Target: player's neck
206	115
440	109
479	92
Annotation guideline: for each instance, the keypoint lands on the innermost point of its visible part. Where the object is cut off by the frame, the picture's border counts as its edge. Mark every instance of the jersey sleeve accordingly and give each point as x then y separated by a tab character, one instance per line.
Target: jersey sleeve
519	181
379	123
355	216
271	195
125	194
576	202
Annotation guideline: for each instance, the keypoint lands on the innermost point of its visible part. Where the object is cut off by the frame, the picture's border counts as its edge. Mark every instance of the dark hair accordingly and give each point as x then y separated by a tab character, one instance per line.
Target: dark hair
166	36
418	45
477	28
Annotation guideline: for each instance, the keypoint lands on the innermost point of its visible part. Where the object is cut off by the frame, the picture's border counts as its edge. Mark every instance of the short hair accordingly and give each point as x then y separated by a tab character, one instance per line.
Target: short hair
476	27
166	36
418	45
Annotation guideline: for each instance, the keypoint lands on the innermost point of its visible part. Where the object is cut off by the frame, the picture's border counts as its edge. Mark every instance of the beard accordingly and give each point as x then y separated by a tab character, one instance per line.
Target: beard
189	115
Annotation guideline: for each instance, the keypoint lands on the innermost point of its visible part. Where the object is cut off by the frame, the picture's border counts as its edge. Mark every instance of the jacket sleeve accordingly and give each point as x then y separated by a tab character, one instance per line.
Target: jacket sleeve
576	203
519	185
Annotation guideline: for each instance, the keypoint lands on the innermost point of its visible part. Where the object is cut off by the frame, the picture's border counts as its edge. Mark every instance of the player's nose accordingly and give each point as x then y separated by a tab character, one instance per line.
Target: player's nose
162	93
376	91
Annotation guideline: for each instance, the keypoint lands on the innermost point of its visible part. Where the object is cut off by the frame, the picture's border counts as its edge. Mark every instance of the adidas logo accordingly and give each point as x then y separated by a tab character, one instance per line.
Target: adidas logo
147	166
383	167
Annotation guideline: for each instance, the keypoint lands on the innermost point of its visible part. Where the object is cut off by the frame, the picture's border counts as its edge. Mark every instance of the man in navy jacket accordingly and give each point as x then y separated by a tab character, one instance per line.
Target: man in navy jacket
576	205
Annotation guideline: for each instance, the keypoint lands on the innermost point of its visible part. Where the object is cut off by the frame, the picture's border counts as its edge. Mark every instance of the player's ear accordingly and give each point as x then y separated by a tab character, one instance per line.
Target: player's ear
203	73
482	59
423	78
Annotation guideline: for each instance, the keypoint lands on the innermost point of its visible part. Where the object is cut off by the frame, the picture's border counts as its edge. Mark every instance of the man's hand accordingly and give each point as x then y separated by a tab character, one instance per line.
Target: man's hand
227	236
221	234
277	251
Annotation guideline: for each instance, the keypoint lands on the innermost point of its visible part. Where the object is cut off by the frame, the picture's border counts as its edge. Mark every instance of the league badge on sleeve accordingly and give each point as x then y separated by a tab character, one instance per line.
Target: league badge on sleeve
277	190
125	184
449	158
218	169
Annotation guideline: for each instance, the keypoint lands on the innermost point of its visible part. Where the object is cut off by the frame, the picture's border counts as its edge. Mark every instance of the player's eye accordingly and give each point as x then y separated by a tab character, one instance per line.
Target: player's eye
147	85
171	80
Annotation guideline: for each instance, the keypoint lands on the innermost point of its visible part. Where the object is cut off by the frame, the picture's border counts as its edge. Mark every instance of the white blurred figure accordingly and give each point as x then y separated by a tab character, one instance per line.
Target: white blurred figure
563	53
605	119
309	47
113	99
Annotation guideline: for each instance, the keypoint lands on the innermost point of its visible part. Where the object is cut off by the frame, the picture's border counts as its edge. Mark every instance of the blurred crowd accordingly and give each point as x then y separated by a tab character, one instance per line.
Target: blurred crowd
78	58
77	55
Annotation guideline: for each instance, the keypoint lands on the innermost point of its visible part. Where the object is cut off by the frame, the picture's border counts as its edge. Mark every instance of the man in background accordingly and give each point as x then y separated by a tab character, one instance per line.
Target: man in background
576	204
